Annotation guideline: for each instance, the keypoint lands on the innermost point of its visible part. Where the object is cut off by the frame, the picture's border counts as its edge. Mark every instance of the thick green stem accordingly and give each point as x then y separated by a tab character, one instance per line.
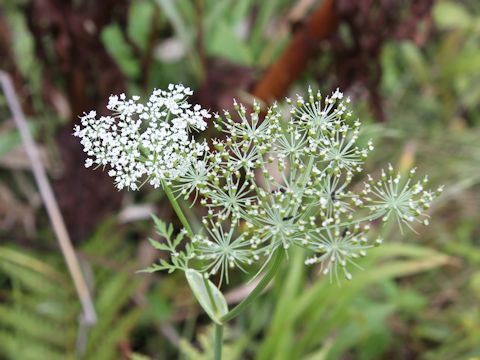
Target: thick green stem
271	271
218	342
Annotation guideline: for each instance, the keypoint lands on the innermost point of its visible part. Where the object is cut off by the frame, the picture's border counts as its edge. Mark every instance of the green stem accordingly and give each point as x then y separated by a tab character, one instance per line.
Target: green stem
218	341
271	271
304	182
181	216
178	210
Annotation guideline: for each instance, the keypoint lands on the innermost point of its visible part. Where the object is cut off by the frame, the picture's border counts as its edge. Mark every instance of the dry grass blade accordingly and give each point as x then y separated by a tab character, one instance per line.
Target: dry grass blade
49	200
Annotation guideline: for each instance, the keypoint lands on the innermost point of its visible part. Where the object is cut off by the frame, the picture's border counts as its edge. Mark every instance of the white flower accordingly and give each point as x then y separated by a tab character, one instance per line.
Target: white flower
222	250
389	196
336	249
145	142
88	163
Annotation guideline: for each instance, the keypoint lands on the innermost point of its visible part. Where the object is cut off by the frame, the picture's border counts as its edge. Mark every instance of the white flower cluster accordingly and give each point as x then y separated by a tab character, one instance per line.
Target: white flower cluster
145	142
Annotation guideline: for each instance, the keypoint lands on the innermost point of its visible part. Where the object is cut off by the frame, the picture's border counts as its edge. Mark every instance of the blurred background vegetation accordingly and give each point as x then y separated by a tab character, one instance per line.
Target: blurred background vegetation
413	71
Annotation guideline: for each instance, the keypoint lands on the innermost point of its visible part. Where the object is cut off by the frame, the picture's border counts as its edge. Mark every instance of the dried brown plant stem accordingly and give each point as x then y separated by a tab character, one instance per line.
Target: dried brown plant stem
49	200
292	62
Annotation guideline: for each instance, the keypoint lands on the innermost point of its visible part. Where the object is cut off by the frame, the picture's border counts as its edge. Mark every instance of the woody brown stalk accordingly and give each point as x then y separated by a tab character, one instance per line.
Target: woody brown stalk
292	62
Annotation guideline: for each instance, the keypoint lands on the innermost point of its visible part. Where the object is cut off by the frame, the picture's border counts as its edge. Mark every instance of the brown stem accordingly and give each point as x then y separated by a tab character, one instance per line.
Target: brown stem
292	62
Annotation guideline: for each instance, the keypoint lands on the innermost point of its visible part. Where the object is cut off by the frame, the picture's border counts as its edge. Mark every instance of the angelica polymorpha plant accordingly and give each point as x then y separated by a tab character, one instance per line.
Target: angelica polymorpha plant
267	184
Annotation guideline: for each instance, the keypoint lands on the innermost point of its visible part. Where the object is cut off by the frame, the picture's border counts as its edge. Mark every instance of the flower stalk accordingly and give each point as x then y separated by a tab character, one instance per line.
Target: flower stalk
177	208
267	277
218	342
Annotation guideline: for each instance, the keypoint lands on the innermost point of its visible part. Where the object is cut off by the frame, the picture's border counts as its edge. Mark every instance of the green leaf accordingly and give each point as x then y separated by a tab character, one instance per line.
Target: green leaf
183	31
178	239
449	14
120	50
416	62
158	245
164	265
23	49
162	228
140	15
226	44
136	356
8	140
151	269
215	310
